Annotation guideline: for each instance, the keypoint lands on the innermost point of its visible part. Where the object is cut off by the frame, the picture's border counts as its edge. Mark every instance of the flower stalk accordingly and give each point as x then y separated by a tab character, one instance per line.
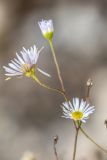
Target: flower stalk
75	143
57	65
87	136
89	85
54	147
34	77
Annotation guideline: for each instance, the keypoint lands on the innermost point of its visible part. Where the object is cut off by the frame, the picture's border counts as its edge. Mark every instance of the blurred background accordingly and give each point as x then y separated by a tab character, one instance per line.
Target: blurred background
30	116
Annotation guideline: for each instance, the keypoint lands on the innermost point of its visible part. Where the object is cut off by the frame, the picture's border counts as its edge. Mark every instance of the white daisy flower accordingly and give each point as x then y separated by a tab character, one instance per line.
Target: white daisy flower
26	64
47	29
78	110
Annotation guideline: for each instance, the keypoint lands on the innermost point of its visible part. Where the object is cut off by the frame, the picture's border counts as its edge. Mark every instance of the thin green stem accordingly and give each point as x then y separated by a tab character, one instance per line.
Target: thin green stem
48	87
59	91
104	150
59	73
52	89
57	66
75	144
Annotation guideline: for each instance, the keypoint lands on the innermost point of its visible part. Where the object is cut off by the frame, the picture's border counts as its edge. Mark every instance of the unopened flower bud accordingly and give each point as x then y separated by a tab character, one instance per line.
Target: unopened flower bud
89	83
56	139
47	29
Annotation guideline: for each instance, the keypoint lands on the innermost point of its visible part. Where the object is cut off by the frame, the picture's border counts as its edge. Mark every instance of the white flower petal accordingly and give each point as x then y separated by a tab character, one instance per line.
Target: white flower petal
67	106
20	59
13	74
77	105
41	71
46	26
9	70
23	63
17	65
82	104
14	67
66	117
25	57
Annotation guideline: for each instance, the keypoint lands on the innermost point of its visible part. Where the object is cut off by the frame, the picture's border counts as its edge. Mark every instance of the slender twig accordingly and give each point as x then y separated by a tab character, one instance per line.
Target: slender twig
57	65
89	85
64	92
55	152
75	144
65	97
48	87
87	94
52	89
54	147
59	74
104	150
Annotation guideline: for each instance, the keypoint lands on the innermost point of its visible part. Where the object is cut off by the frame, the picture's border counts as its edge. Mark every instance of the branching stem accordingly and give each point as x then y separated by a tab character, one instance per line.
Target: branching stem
48	87
104	150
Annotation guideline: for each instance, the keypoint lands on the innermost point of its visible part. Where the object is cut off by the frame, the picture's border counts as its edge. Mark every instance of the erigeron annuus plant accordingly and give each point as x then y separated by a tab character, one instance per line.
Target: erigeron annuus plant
25	64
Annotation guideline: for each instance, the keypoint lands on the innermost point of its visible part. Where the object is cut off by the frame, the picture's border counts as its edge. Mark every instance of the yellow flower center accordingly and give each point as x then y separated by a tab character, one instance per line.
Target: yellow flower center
27	70
77	115
25	67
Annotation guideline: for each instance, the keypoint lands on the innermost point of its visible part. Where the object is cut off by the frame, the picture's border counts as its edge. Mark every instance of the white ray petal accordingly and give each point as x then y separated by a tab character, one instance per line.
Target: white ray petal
13	74
20	59
46	74
78	105
9	70
14	67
